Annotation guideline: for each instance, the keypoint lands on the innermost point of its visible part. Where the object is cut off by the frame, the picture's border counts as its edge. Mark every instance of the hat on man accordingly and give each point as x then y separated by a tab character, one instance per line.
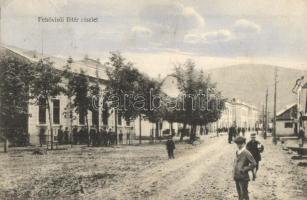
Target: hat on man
240	140
253	135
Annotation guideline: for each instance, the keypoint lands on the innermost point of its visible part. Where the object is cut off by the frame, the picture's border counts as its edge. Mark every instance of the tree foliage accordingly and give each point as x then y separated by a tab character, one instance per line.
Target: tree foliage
47	84
201	102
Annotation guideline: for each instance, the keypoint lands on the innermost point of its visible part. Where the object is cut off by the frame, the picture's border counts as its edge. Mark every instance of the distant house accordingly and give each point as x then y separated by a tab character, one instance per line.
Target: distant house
285	121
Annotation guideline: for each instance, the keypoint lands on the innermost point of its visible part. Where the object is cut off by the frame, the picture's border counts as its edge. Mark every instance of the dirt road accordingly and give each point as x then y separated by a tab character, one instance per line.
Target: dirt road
144	172
206	173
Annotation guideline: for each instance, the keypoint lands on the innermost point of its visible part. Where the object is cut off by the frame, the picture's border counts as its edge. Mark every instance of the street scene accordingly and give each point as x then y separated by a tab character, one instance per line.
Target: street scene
157	99
144	172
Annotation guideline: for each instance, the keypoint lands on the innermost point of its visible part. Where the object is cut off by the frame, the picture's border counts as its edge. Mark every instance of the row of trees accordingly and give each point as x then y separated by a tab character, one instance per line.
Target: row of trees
23	81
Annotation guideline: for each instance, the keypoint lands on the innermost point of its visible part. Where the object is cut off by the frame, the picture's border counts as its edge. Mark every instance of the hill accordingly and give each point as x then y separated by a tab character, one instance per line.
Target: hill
249	83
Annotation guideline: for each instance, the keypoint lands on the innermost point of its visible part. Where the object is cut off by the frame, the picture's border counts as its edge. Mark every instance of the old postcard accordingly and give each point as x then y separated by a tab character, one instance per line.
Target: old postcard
153	99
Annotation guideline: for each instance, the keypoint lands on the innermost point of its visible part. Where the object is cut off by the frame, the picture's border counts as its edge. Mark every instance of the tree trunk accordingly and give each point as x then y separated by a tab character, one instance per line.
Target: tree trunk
5	141
116	118
182	131
6	145
71	116
157	130
140	129
87	130
50	124
193	133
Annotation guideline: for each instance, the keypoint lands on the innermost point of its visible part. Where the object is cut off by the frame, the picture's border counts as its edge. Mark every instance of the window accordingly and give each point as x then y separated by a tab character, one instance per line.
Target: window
42	111
56	111
288	125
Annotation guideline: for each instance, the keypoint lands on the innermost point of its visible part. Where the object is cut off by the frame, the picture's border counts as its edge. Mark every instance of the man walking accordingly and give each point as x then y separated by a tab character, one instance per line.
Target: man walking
170	146
301	137
231	133
255	148
244	162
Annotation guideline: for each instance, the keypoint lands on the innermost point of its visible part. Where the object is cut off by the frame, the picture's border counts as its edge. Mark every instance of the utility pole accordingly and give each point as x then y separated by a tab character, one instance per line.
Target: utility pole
275	99
266	114
297	89
263	119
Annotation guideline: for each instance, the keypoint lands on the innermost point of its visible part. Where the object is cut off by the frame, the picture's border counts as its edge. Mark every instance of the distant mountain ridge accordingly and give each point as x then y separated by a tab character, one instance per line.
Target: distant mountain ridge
249	83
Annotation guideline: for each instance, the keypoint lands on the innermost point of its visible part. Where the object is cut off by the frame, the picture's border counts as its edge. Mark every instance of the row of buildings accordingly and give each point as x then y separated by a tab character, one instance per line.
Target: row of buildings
237	113
244	115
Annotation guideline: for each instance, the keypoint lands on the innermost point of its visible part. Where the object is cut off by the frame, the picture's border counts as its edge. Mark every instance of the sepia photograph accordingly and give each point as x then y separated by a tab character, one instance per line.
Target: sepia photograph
153	99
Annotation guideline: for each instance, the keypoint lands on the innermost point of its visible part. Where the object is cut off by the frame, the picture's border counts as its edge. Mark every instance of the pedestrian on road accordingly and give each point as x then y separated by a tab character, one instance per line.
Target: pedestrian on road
75	135
66	135
243	132
301	137
255	148
170	146
93	136
120	136
231	133
243	163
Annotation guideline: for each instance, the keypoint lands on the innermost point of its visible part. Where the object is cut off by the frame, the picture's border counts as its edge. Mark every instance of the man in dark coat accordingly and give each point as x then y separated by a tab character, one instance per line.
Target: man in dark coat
60	135
256	148
301	137
170	146
231	133
66	135
93	137
75	135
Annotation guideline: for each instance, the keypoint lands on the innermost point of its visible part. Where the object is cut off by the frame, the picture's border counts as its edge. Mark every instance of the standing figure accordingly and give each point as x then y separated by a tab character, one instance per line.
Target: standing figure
42	137
66	136
128	138
60	135
232	133
255	148
75	135
109	137
238	132
104	136
243	163
170	146
243	132
92	137
120	137
301	137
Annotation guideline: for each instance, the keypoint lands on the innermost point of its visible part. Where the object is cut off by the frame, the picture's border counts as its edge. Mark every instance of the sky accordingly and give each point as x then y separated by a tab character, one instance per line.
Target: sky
157	34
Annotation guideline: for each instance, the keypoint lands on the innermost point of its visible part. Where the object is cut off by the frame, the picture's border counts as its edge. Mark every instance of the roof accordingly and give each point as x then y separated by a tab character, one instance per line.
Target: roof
288	113
88	65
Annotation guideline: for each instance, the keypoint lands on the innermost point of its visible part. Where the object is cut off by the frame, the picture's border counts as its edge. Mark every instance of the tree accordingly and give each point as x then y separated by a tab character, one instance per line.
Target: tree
69	77
47	84
154	109
123	83
79	86
16	77
201	102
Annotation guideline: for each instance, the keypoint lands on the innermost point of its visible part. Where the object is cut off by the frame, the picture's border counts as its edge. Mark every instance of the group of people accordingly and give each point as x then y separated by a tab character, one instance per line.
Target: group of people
91	137
247	159
233	132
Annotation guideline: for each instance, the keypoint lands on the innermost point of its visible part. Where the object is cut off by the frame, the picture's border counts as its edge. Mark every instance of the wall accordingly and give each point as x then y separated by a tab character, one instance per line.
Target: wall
282	131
